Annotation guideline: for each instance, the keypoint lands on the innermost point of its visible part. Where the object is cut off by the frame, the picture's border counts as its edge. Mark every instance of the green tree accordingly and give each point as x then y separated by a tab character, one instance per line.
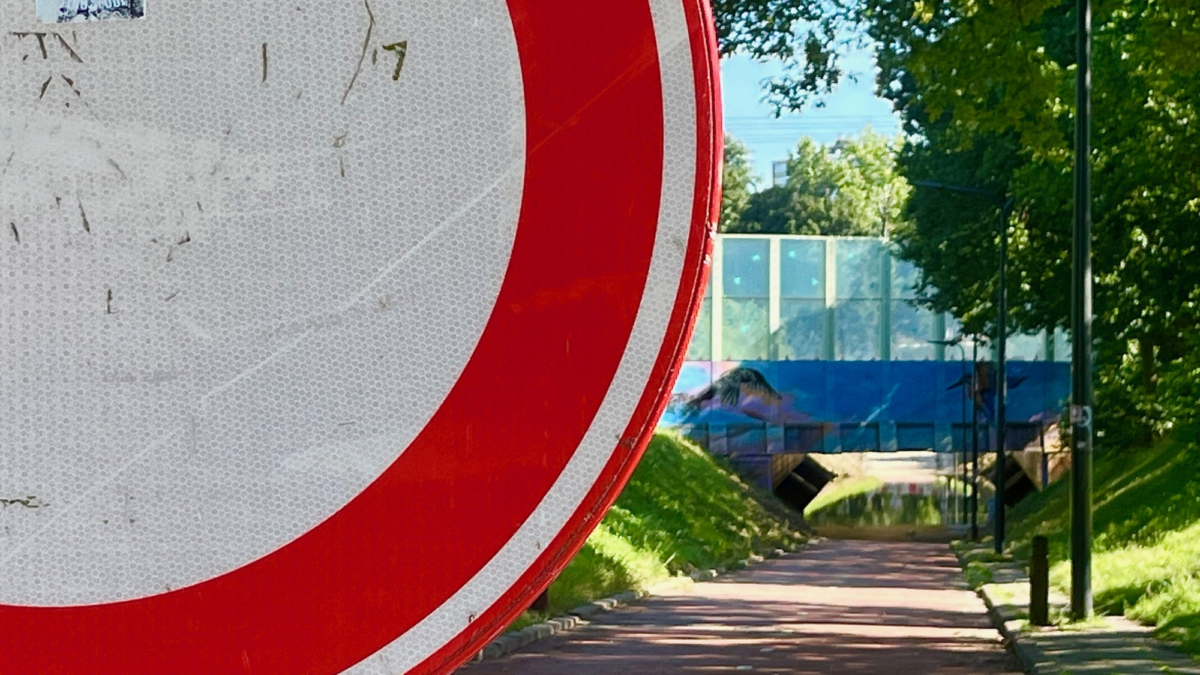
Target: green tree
737	182
986	91
800	35
769	212
849	188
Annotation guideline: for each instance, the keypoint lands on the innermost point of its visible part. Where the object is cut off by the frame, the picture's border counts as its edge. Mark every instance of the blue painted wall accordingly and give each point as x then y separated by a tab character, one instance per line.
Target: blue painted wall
783	407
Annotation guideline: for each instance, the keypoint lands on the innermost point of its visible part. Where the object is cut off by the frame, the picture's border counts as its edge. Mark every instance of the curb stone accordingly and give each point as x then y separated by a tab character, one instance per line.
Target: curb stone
582	615
1065	652
1008	618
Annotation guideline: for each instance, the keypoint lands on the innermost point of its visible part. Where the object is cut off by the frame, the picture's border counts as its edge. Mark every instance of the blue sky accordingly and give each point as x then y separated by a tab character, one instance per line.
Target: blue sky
848	110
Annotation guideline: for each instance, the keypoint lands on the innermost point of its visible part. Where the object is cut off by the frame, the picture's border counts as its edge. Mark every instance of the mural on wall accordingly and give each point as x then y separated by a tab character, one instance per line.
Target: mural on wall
790	407
819	345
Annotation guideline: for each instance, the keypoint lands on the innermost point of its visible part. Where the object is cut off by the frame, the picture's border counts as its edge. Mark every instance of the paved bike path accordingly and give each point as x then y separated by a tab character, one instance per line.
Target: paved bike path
844	607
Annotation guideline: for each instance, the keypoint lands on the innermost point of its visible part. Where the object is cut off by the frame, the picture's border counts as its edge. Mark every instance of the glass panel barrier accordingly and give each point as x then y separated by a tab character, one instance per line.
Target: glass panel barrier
746	268
802	268
905	276
859	269
1026	347
857	330
802	333
700	348
1062	346
746	330
912	330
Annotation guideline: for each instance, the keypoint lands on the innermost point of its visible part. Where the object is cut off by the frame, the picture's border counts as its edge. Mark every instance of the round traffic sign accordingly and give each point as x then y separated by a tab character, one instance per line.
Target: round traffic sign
329	330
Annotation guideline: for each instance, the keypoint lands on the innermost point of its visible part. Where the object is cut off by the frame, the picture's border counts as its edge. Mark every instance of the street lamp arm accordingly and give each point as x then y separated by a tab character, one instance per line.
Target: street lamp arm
964	189
1006	205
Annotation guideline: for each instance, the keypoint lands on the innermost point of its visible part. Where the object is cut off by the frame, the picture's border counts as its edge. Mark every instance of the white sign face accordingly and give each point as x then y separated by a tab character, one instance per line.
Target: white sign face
216	244
71	11
328	330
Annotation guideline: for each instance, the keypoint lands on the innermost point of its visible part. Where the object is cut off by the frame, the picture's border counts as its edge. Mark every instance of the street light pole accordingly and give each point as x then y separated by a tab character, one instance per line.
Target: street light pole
1002	377
962	351
966	504
974	444
1006	207
1081	331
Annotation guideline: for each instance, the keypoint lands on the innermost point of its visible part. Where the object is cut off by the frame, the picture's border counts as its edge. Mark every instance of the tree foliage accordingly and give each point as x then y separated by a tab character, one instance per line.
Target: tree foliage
798	34
737	182
769	212
850	188
987	92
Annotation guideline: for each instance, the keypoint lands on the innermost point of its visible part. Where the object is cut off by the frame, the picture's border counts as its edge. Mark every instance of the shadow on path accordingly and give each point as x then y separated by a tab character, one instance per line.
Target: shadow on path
844	607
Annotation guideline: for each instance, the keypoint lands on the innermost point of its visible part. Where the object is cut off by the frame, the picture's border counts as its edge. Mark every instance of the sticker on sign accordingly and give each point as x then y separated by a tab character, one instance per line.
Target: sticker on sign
70	11
331	333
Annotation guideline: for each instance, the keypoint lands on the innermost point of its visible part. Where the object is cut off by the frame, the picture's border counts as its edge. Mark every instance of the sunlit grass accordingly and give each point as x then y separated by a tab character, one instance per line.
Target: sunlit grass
840	490
681	511
1146	555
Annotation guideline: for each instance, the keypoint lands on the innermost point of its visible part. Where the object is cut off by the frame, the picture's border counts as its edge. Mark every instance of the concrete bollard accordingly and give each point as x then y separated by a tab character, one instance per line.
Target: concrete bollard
1039	583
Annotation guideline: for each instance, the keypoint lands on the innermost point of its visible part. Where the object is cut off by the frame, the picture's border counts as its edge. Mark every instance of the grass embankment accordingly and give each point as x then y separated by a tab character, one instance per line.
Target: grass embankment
1146	555
681	511
862	507
840	490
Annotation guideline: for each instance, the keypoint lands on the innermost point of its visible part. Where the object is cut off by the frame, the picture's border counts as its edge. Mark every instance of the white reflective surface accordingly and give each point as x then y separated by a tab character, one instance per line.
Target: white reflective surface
240	267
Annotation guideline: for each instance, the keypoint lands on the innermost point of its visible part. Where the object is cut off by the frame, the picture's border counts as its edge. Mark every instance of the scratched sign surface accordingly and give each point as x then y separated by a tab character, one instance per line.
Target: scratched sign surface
70	11
329	328
239	224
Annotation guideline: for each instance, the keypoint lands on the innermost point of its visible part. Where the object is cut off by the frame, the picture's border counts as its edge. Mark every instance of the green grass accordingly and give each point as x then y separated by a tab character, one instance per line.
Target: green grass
858	507
681	511
841	490
1146	556
977	574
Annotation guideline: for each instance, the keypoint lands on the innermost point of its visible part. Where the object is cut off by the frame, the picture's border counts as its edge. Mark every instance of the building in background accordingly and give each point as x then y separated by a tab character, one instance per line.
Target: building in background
815	344
779	173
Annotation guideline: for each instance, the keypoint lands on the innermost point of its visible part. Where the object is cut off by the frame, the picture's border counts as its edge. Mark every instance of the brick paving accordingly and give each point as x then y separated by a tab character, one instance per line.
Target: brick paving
844	607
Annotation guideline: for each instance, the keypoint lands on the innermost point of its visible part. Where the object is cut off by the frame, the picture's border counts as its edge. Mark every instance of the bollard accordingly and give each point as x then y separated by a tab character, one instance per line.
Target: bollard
542	602
1039	583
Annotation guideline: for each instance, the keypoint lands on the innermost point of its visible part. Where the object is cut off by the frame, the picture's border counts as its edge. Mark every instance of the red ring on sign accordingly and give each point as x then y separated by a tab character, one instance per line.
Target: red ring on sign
585	238
706	212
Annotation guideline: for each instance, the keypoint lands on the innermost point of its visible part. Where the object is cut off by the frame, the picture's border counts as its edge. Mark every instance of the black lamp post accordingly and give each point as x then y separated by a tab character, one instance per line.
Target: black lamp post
1081	329
974	445
962	352
963	382
1006	206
